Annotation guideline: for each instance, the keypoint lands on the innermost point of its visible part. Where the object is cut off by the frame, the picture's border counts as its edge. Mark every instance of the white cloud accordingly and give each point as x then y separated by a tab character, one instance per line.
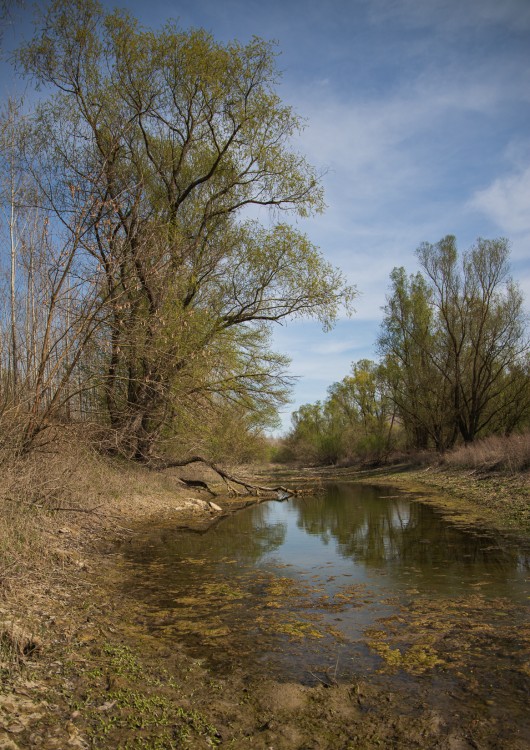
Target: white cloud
507	202
397	169
393	150
333	347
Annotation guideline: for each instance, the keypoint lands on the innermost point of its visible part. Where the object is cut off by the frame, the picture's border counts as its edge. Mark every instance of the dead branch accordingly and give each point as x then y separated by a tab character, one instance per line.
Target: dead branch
225	476
91	511
59	509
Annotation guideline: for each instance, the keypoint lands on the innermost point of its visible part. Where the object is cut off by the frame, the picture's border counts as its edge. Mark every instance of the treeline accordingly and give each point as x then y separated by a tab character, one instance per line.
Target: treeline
138	291
454	364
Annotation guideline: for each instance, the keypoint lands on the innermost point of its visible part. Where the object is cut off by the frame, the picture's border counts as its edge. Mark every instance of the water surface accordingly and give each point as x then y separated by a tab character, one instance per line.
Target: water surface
331	586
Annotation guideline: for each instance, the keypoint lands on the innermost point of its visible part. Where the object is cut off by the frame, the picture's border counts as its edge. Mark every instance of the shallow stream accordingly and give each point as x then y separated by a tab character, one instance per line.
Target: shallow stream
355	581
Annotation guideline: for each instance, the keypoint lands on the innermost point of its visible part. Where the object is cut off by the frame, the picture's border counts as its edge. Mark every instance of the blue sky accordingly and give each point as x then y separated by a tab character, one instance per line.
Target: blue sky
418	111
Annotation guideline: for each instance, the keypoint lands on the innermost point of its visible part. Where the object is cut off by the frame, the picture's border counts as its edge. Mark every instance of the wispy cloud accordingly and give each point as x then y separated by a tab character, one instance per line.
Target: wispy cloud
507	202
333	347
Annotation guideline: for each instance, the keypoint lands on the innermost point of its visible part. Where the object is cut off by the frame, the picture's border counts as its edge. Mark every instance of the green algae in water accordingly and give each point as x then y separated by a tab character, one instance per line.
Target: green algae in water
360	580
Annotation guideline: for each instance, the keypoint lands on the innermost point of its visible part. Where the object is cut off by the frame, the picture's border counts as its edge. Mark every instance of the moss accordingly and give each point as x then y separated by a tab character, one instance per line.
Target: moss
416	660
298	629
137	707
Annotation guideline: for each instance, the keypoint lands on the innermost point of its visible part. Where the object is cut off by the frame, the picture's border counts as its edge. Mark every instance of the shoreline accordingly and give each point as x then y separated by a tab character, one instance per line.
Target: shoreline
499	500
93	659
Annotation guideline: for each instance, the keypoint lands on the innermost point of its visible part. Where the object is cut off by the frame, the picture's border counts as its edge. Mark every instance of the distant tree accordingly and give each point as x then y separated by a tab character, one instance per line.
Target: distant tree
409	344
454	341
355	421
311	436
364	398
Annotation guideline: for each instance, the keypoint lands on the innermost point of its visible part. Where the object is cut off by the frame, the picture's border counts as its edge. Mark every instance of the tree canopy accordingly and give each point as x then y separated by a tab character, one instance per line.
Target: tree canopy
455	363
154	159
455	343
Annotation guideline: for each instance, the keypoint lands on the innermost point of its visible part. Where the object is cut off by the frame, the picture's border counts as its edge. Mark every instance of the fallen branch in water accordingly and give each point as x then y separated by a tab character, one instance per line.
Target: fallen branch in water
282	492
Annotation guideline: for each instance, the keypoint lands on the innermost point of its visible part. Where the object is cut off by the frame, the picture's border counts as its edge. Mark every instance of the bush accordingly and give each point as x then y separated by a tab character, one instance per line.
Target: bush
280	452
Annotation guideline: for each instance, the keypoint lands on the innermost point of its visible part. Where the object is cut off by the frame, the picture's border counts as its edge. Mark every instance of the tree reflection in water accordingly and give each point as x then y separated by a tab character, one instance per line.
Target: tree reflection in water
395	534
290	583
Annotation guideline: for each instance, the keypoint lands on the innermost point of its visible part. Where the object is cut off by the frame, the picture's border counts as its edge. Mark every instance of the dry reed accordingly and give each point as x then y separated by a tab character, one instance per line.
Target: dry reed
507	454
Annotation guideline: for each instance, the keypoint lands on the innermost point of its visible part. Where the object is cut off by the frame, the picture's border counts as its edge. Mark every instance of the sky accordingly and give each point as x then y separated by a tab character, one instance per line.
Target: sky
417	112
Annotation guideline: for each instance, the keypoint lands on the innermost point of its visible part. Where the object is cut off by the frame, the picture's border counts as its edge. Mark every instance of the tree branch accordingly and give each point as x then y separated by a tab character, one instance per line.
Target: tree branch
282	492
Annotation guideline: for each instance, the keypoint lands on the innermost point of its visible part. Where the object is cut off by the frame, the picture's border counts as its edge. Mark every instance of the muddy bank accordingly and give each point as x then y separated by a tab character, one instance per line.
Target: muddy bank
101	681
98	678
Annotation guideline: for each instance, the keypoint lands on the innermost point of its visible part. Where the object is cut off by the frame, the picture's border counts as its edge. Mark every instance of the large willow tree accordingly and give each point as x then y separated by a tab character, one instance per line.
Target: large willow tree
160	152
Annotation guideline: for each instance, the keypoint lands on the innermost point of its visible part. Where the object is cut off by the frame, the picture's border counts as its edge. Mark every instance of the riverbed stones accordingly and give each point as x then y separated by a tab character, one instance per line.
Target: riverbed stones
196	504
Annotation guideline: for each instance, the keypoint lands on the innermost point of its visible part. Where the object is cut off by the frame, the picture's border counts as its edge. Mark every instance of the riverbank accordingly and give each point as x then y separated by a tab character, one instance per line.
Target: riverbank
496	499
80	668
499	499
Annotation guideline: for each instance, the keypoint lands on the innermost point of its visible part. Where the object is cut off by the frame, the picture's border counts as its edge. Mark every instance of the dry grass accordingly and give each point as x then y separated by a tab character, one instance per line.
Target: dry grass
56	505
24	528
48	498
28	550
506	454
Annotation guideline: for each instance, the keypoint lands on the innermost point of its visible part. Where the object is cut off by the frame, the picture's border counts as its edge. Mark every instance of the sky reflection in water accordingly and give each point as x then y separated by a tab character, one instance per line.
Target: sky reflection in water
293	586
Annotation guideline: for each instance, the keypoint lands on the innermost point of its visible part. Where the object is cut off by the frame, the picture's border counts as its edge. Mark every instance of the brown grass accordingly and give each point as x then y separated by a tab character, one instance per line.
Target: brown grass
57	505
24	528
506	454
62	497
64	488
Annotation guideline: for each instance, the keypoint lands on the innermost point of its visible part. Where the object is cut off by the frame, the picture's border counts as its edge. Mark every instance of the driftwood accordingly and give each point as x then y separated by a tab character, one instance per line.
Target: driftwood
282	492
198	483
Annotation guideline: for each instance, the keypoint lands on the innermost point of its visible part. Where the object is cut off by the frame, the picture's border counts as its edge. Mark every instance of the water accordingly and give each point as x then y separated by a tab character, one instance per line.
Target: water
351	581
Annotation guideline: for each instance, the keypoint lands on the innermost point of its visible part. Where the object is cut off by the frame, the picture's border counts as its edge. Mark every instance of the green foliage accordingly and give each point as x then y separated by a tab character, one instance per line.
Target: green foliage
455	346
226	432
141	705
418	387
167	136
315	436
456	363
355	422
